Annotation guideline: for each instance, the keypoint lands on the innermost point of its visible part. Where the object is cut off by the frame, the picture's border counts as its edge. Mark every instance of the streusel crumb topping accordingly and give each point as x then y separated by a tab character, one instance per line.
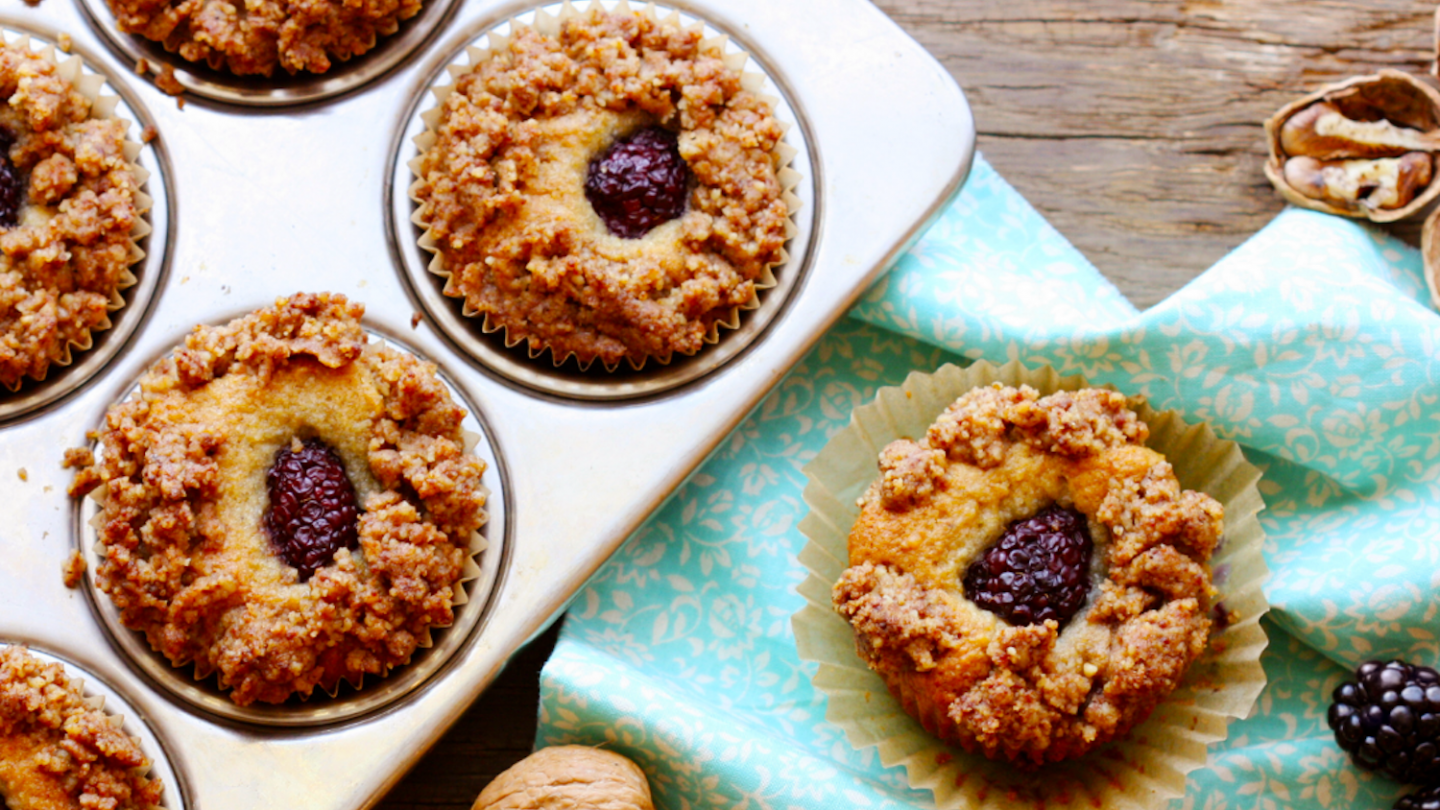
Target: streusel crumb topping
184	463
1036	692
66	250
57	751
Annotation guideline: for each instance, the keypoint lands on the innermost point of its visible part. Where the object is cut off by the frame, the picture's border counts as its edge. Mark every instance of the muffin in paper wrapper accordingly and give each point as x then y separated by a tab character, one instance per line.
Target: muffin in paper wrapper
549	24
71	68
1145	769
94	702
469	572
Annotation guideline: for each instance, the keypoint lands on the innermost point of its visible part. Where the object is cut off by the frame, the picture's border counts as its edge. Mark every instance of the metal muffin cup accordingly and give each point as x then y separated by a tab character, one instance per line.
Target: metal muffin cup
484	570
281	89
152	236
488	344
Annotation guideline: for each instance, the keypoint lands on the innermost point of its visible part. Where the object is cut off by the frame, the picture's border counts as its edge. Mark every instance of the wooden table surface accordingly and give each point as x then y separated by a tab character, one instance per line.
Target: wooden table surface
1134	126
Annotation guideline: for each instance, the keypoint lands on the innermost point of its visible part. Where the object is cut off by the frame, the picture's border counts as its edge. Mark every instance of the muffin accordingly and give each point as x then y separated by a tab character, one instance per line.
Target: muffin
260	35
286	504
58	749
70	211
1029	579
605	185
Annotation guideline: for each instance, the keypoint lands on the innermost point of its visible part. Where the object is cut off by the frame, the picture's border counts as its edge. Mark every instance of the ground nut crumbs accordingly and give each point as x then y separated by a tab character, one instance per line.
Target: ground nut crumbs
1034	693
58	751
294	35
183	467
70	249
502	189
74	569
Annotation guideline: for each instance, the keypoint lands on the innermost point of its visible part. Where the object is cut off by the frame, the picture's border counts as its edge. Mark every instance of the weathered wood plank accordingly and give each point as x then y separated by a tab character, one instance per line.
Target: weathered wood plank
1135	126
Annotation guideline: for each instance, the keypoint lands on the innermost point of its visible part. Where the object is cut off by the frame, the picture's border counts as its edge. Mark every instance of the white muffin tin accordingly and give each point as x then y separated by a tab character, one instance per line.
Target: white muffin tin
261	200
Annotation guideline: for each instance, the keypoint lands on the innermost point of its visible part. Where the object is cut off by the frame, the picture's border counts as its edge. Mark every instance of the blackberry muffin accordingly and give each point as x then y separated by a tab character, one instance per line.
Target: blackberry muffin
605	188
60	750
286	504
1029	579
257	36
70	209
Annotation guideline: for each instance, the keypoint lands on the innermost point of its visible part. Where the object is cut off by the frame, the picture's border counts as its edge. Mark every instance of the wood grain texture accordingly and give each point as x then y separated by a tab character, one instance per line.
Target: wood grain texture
1135	126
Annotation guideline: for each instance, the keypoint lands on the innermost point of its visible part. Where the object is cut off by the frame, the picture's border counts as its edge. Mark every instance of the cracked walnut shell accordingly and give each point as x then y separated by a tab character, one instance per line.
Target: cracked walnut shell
1361	148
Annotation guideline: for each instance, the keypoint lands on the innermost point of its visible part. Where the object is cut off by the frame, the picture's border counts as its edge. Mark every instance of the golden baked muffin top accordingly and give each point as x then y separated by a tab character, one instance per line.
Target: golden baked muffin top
1029	578
68	205
257	36
58	751
285	503
608	192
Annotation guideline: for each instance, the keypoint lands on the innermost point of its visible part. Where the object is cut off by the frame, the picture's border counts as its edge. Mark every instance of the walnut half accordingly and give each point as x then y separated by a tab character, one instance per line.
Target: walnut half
1362	148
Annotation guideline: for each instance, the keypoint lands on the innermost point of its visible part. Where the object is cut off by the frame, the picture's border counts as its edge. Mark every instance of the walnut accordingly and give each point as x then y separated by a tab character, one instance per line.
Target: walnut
568	776
1362	148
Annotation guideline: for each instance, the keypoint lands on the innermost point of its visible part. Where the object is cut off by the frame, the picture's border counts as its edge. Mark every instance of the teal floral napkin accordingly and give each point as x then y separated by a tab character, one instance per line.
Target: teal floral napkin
1311	345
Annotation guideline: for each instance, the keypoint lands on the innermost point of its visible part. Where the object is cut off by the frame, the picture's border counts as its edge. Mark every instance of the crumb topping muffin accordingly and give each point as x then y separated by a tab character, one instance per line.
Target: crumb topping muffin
973	592
284	503
58	751
69	202
257	36
609	191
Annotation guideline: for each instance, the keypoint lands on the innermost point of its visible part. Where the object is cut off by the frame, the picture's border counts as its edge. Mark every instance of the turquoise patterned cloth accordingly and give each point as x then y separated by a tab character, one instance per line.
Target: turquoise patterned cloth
1312	345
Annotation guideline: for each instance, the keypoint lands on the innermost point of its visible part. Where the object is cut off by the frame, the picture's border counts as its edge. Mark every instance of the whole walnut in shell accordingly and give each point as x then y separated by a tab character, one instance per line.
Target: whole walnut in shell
568	777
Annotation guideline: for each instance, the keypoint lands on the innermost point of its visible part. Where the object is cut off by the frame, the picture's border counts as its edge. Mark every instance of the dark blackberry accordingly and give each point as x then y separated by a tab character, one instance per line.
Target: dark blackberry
1388	719
312	506
638	183
1039	569
1427	799
12	186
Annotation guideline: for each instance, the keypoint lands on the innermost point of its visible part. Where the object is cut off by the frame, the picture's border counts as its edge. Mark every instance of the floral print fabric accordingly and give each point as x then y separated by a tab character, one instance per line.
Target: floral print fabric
1312	345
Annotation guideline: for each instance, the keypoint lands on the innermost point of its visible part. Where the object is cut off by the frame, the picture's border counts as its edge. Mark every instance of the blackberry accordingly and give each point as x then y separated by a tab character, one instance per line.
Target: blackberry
12	185
1427	799
638	183
1038	570
1388	719
312	506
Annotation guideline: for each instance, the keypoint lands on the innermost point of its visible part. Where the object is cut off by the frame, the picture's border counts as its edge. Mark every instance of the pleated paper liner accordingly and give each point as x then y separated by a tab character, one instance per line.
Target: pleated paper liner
303	710
1148	767
549	24
96	695
102	106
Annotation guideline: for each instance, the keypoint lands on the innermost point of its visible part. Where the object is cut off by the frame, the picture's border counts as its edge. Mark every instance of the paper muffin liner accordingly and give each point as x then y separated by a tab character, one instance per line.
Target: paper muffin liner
96	703
549	24
91	85
469	571
1149	766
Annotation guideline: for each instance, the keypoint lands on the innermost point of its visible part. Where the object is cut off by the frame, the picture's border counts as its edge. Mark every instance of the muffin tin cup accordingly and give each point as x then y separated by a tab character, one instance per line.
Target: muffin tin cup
150	236
105	698
1146	769
482	571
487	342
281	89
